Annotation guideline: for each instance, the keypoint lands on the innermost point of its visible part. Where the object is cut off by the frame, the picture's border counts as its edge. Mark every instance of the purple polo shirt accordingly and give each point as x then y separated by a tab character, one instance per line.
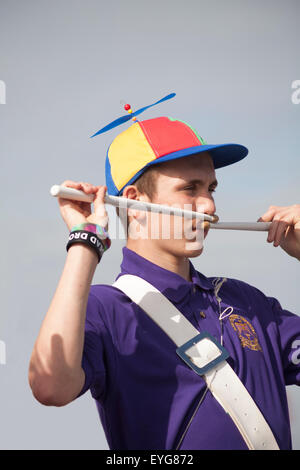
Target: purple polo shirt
146	394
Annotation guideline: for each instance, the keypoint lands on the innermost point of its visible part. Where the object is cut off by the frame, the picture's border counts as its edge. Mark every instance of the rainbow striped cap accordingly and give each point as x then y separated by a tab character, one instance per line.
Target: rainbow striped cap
146	143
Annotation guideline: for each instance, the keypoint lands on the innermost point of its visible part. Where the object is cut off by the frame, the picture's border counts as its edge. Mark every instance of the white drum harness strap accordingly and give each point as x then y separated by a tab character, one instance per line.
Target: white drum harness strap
203	354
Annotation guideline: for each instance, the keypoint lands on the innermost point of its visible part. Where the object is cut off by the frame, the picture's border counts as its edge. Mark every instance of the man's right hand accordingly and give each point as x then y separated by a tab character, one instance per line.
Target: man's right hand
78	212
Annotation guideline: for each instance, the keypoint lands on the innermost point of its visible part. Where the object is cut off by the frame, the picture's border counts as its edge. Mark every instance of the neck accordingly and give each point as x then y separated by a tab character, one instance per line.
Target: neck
154	253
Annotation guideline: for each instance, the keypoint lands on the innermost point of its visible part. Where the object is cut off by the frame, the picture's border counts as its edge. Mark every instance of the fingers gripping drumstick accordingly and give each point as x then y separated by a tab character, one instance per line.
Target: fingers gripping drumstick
122	202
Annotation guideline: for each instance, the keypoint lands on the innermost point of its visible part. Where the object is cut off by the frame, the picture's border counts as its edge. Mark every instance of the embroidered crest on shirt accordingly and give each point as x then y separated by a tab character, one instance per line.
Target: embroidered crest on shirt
246	332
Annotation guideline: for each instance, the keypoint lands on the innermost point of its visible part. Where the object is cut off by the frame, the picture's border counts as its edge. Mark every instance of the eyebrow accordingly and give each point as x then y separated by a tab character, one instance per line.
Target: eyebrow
200	182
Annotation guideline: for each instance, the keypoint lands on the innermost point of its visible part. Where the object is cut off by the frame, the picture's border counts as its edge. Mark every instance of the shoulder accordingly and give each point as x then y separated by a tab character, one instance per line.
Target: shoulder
105	293
109	304
107	298
252	301
240	292
235	285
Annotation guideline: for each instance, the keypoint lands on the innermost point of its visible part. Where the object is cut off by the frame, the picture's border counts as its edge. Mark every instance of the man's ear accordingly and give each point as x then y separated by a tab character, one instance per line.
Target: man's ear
131	192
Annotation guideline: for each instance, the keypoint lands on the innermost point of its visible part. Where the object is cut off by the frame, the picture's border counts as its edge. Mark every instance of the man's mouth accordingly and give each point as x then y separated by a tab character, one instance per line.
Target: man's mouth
203	225
206	228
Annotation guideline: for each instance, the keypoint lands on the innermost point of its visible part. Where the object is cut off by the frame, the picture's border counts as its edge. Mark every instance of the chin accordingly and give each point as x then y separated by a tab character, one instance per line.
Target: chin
192	248
195	248
193	253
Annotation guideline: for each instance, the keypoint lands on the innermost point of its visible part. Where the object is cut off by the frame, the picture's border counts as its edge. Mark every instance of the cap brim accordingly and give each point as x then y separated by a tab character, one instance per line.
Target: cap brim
222	155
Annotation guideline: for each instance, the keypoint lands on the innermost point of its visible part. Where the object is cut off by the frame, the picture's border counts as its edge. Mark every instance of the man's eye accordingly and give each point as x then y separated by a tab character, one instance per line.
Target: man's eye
193	188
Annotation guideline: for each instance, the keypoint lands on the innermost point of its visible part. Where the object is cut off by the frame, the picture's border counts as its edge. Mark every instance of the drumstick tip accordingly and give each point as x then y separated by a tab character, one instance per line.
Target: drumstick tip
54	190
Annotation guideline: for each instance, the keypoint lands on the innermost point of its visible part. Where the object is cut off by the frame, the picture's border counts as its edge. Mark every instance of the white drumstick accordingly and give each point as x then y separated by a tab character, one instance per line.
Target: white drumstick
122	202
75	194
250	226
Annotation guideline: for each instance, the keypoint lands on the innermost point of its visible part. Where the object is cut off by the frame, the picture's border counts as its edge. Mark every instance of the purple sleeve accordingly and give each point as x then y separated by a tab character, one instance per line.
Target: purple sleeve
97	343
289	330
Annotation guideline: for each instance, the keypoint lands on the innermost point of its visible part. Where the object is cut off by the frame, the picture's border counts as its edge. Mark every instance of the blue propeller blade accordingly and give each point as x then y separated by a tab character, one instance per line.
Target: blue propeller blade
125	118
141	110
113	124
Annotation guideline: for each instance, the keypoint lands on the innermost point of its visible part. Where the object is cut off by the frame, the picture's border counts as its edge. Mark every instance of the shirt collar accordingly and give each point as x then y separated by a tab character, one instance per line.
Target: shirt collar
172	285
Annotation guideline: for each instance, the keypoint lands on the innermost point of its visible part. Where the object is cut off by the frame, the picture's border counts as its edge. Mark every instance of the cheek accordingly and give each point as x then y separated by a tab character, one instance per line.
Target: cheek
171	198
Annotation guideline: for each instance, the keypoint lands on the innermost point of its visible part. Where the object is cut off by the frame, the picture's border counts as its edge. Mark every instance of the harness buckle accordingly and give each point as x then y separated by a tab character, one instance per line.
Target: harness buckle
209	355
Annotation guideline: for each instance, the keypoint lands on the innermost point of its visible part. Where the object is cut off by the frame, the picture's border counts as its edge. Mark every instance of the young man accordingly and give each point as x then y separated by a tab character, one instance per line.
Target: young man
97	338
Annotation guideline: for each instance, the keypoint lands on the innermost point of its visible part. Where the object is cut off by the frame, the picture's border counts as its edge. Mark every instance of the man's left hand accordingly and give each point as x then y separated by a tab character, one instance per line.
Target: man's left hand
285	228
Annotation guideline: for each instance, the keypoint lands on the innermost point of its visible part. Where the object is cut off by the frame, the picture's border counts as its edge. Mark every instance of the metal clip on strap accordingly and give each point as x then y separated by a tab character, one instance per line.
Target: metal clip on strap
215	353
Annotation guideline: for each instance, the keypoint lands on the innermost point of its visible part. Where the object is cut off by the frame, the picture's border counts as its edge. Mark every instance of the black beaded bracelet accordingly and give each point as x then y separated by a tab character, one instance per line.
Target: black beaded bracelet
88	239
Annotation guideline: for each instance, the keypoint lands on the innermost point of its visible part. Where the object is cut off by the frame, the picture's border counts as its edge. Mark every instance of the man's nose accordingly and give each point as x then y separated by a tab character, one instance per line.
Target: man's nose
206	205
